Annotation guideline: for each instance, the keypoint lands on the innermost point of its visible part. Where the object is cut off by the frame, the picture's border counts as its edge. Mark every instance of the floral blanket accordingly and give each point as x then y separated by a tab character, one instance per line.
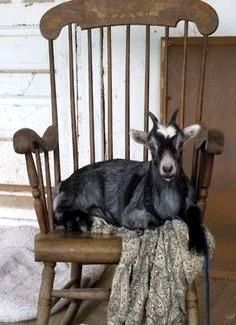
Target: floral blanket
150	281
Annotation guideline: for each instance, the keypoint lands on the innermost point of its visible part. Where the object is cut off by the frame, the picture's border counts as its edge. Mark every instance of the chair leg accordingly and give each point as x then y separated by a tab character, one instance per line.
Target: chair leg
192	305
76	272
45	294
71	313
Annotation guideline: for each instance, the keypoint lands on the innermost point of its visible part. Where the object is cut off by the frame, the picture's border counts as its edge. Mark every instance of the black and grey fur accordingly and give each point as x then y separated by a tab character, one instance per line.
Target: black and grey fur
134	194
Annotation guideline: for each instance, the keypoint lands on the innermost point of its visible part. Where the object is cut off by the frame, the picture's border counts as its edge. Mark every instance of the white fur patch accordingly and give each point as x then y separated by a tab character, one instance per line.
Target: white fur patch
168	131
167	161
57	200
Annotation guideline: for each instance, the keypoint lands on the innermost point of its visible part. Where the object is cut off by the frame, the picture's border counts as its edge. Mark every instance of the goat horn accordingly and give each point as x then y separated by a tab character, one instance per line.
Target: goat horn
173	117
154	119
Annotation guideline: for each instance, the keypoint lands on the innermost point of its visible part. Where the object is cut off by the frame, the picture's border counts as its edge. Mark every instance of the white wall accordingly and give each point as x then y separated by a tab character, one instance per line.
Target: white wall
226	11
24	81
24	95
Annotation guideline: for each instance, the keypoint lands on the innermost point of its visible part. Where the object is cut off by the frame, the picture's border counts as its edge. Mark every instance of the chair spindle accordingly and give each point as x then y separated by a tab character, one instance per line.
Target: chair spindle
72	99
146	86
184	73
127	94
165	79
49	191
199	112
41	184
102	92
109	76
57	170
34	183
91	101
202	79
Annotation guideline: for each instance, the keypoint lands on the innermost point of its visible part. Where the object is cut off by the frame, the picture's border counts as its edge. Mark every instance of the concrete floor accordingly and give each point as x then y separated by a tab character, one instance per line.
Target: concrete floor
223	304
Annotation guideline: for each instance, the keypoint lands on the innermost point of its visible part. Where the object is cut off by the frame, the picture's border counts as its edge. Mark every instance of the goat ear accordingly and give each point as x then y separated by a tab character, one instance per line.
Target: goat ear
139	136
191	131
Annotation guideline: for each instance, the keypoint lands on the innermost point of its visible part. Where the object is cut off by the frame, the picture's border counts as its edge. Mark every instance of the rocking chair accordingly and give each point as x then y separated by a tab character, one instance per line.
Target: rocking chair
52	245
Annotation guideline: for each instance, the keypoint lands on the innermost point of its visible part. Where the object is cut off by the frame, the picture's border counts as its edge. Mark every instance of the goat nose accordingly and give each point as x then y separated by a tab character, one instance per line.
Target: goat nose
168	169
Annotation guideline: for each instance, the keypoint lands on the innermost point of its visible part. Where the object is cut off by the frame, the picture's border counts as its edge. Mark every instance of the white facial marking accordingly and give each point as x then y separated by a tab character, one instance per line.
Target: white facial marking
168	131
167	162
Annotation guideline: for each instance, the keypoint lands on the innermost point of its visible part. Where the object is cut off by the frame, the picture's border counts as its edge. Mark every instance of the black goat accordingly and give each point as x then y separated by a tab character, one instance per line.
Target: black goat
134	194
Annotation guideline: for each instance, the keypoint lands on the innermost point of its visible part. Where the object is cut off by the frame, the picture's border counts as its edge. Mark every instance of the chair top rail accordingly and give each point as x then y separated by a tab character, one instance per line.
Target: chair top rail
101	13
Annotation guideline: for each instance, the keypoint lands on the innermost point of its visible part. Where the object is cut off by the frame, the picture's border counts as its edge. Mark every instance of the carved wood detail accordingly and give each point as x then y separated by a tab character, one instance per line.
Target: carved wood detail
97	13
38	202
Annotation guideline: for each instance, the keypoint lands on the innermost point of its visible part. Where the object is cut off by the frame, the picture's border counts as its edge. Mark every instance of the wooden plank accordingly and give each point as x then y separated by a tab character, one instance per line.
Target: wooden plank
14	188
219	99
212	41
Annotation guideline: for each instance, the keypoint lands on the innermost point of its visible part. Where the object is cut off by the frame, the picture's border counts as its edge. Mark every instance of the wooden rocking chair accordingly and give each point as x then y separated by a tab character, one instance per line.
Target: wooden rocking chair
52	246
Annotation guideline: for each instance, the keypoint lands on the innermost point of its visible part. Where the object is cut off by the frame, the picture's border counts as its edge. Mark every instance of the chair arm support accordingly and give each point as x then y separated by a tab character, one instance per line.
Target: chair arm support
27	141
211	140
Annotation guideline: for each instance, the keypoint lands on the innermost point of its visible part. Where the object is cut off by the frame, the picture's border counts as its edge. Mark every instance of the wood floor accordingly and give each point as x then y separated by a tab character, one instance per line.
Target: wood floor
223	304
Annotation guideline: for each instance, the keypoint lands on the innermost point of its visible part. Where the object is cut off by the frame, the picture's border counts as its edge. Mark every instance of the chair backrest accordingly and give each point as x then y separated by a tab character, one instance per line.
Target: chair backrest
104	15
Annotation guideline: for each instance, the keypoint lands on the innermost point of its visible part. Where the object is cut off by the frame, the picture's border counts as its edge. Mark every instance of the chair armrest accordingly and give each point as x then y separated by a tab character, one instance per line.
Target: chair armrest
27	141
212	140
215	142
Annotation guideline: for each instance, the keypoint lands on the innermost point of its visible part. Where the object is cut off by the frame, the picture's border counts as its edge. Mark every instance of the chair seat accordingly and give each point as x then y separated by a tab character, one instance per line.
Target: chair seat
86	248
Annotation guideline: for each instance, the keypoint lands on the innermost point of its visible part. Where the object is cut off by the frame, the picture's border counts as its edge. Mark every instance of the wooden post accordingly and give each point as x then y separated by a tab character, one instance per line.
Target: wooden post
192	305
76	272
45	294
204	180
38	202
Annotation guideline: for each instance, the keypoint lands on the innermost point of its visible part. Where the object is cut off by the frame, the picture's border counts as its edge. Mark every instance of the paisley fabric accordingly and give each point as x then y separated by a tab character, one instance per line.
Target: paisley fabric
155	268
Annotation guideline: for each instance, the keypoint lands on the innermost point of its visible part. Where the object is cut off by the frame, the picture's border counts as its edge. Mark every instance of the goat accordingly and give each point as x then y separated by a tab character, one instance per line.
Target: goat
135	194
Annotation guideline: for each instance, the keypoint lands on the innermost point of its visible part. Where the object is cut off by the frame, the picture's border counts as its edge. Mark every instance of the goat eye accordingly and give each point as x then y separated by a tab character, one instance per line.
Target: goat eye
151	146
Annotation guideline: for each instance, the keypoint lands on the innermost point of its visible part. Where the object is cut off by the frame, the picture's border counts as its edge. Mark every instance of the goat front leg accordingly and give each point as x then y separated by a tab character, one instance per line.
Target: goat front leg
197	237
138	219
